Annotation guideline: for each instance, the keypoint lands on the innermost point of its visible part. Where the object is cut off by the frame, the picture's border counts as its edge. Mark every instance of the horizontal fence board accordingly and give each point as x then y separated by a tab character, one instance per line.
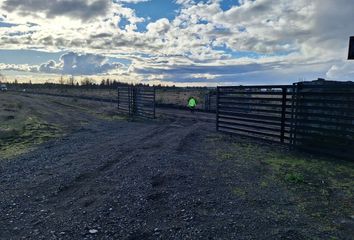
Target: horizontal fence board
329	108
263	127
328	129
297	114
323	123
255	86
255	99
258	116
245	135
252	120
279	105
277	94
326	101
223	107
326	93
246	130
324	116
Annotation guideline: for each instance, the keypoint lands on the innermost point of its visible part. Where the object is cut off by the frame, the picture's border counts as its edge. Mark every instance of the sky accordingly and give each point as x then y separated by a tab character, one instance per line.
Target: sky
179	42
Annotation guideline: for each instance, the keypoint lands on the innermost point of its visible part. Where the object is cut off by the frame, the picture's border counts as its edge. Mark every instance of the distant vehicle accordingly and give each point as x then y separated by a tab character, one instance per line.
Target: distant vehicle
3	87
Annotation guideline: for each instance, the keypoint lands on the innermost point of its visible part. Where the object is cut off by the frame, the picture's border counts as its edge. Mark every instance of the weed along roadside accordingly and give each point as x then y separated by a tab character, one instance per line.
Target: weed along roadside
321	187
26	136
28	122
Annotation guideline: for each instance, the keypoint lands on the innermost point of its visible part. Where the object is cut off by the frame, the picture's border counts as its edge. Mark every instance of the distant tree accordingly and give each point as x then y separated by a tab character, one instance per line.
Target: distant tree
86	82
71	81
103	82
61	80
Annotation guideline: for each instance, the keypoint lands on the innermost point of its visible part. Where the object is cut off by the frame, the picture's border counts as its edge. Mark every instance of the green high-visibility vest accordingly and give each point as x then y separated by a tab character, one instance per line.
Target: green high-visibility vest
192	103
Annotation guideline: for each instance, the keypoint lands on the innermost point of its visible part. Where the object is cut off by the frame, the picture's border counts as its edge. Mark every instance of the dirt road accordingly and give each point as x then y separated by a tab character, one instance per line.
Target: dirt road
158	179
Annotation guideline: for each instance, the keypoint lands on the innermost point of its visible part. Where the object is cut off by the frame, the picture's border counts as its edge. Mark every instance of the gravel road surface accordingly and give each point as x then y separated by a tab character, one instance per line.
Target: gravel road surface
142	180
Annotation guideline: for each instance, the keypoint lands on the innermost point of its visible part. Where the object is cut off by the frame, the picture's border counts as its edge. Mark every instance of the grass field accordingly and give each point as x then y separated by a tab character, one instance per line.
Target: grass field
27	122
322	188
164	96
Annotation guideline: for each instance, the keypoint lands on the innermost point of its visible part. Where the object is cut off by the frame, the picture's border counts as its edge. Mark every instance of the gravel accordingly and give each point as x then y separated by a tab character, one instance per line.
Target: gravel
140	180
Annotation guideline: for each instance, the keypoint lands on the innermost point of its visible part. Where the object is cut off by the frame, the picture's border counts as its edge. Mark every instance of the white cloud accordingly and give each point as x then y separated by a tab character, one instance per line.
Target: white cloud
282	35
79	64
131	1
161	26
341	71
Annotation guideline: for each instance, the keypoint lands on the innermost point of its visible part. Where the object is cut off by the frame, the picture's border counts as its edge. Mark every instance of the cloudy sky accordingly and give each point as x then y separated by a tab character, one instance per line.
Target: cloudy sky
183	42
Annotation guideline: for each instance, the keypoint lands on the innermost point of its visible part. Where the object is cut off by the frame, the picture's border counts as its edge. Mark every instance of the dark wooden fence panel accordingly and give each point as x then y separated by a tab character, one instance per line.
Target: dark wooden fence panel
210	102
255	111
125	100
137	101
315	117
324	118
145	102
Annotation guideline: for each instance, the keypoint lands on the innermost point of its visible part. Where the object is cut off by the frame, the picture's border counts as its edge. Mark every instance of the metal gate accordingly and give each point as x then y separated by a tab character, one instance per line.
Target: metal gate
318	117
210	101
137	101
256	111
324	118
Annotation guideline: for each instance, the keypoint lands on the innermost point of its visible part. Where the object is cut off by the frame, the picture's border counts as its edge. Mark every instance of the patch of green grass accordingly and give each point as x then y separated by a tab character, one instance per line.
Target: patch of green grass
238	191
264	184
26	136
322	188
111	116
333	172
294	178
226	156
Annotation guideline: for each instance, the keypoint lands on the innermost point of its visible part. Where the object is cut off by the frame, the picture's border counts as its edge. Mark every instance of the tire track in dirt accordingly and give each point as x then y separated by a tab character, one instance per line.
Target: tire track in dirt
154	140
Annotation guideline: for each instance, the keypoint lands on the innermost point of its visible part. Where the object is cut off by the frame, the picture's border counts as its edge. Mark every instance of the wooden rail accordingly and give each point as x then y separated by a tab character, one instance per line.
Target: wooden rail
314	117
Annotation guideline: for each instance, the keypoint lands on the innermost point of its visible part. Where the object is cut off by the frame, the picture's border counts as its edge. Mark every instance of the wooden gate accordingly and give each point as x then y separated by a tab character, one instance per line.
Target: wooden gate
255	111
316	116
137	101
324	118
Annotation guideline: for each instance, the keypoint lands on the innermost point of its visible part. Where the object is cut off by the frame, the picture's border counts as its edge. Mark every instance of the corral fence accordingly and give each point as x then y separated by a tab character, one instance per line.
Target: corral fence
257	111
136	101
323	118
314	117
210	101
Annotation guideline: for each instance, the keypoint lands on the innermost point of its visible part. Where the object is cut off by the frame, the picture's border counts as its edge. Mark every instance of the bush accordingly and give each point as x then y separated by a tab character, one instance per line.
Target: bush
294	178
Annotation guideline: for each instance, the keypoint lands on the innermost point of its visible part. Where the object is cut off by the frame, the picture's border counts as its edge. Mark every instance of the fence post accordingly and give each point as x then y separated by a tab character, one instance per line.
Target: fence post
283	108
293	106
154	104
130	100
118	97
296	113
134	96
217	108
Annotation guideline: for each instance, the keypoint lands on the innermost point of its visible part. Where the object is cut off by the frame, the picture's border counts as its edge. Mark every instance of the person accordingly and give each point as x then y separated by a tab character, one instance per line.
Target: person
192	103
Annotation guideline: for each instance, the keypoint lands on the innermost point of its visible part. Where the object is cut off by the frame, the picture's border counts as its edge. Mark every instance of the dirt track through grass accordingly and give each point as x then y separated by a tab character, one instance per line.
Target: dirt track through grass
174	178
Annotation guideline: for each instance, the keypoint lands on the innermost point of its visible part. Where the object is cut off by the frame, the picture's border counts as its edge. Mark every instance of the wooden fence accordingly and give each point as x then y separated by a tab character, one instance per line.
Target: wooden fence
324	118
136	101
256	111
314	117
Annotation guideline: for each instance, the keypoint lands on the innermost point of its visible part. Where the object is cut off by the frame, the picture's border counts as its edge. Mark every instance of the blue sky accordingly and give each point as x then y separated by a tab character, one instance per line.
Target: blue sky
182	42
